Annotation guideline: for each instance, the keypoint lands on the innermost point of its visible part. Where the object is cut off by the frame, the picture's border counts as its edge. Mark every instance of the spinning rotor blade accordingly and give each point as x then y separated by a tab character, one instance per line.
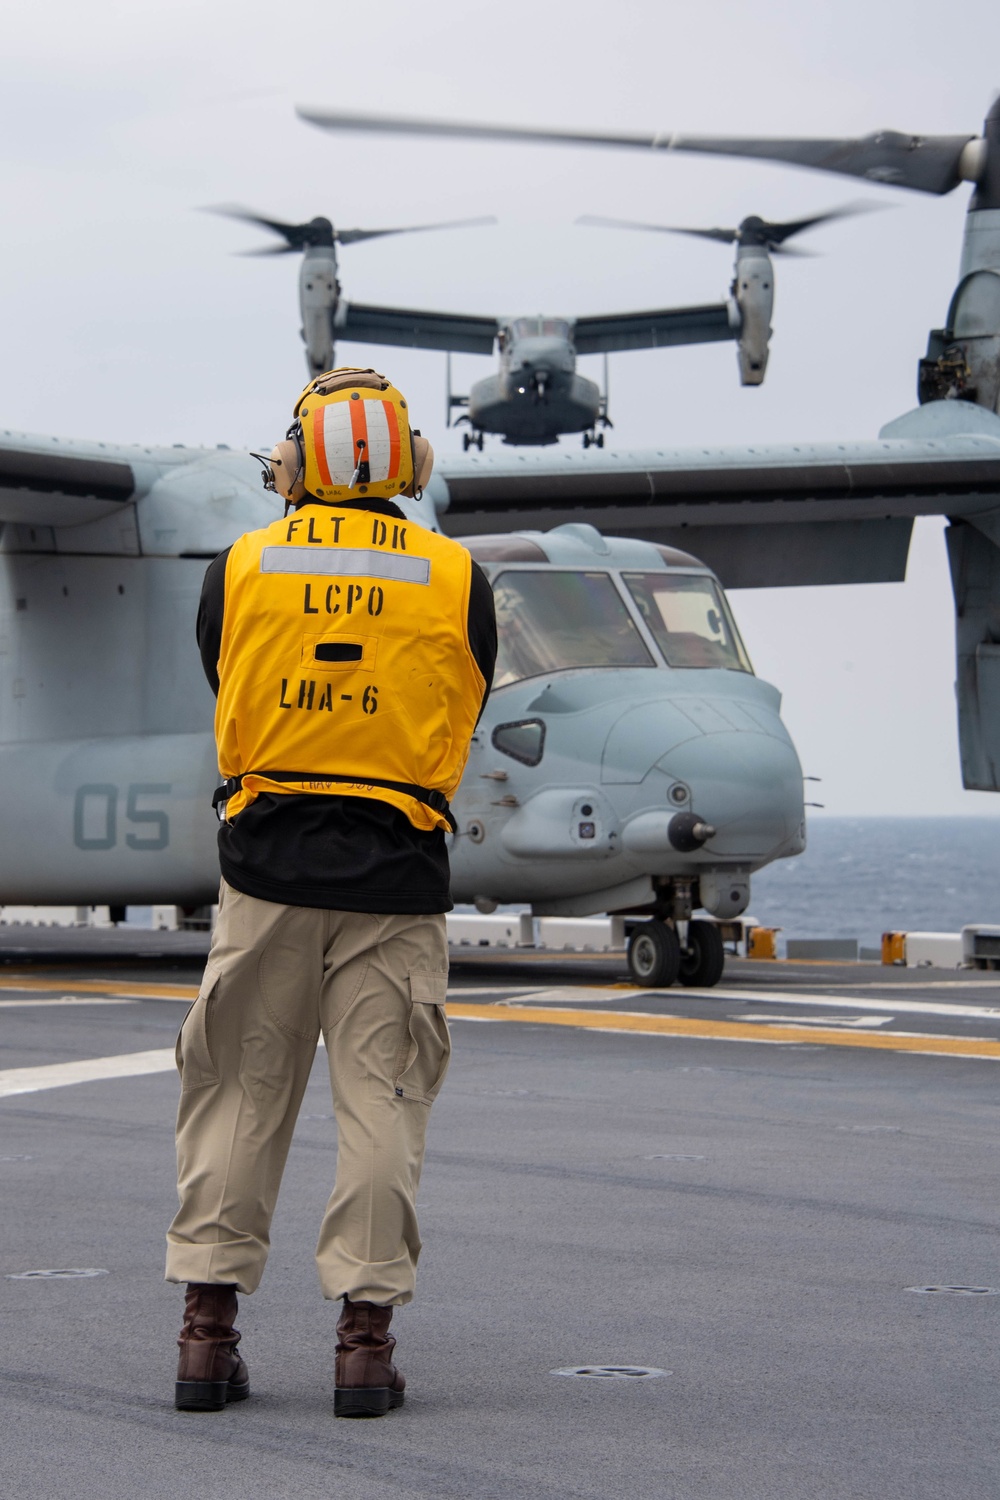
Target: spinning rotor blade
317	231
269	250
752	230
320	231
925	163
354	236
599	221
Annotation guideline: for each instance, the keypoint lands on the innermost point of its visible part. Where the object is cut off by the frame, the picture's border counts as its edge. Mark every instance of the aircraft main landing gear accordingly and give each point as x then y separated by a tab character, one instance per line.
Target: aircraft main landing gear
472	440
593	439
654	954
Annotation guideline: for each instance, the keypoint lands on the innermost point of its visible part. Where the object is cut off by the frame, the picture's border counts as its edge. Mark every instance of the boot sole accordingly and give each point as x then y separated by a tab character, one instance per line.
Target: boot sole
208	1395
365	1401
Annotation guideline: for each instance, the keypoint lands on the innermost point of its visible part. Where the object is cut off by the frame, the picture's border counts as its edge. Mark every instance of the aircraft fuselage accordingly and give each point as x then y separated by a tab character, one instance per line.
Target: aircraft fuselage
593	761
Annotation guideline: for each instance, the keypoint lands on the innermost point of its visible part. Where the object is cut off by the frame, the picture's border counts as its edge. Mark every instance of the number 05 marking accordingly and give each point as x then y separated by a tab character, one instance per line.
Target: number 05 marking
95	816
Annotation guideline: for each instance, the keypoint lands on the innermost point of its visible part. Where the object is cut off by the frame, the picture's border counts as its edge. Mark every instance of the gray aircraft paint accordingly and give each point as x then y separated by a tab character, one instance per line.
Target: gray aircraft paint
105	717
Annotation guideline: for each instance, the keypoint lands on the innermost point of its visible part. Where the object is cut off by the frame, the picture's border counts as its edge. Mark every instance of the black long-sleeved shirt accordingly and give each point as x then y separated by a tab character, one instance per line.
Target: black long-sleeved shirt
345	853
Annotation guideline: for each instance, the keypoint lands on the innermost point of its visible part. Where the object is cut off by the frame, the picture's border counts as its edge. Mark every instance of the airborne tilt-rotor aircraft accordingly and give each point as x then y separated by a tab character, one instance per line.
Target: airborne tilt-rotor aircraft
629	761
537	394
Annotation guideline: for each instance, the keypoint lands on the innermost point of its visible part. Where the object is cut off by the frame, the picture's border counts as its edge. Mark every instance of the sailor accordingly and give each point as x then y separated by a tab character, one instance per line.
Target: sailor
351	651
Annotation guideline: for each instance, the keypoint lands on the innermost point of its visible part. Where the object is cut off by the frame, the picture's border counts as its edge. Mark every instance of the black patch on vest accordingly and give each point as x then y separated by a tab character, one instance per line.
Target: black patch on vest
338	651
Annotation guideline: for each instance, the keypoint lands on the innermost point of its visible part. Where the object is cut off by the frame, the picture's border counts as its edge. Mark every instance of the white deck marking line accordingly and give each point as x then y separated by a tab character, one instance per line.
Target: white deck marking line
87	1070
836	1002
924	984
561	995
855	1021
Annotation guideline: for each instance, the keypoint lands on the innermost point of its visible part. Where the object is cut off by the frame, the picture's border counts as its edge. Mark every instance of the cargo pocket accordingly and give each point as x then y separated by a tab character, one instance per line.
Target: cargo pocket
193	1054
428	1048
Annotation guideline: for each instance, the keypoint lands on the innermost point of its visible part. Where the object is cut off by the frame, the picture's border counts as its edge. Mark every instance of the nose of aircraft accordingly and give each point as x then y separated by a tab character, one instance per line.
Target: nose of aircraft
747	786
731	764
544	354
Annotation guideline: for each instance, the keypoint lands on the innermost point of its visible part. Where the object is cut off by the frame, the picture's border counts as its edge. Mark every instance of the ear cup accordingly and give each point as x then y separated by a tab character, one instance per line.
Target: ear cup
287	467
423	461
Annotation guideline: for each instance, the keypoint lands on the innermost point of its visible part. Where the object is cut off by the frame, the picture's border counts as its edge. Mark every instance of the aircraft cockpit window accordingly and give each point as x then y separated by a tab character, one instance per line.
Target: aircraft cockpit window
533	328
552	622
689	620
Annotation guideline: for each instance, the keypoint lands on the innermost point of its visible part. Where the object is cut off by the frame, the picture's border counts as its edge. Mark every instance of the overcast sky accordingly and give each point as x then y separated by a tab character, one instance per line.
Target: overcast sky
124	315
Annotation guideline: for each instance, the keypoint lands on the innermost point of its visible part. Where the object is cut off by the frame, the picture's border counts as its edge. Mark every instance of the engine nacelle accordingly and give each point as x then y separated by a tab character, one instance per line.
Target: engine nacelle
753	294
319	294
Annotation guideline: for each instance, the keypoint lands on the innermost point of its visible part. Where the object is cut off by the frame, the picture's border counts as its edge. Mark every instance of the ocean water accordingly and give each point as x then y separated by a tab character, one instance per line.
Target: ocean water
860	877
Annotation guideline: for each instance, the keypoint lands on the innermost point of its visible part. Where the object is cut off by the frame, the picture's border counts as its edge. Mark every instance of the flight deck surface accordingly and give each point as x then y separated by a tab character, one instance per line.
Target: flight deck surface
740	1187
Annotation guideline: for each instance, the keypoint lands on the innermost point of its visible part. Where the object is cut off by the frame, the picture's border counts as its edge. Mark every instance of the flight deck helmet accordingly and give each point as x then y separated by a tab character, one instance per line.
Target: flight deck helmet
350	438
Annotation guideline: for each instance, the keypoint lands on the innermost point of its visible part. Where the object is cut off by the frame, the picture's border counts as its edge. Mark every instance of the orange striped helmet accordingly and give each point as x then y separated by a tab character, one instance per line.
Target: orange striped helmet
351	437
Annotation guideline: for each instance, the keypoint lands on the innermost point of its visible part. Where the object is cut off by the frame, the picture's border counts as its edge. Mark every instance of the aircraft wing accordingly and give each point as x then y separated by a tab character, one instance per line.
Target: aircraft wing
47	483
760	517
409	329
653	330
809	514
69	495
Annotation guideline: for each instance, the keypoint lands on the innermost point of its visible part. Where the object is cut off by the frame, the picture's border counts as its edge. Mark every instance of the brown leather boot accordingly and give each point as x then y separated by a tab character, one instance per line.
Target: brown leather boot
368	1383
209	1371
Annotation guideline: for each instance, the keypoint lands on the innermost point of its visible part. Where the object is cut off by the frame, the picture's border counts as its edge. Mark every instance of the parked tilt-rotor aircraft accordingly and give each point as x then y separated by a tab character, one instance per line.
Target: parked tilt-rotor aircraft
629	761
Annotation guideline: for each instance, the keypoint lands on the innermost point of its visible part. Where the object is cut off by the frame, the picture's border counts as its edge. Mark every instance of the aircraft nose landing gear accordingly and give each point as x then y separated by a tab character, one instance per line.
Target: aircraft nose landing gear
656	959
654	954
704	957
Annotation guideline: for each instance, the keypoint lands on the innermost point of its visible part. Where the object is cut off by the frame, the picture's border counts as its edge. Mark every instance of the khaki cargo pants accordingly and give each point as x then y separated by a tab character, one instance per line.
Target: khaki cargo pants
276	977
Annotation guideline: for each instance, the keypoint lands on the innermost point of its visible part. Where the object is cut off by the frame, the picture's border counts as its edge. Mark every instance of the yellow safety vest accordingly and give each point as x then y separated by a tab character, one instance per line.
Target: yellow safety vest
345	663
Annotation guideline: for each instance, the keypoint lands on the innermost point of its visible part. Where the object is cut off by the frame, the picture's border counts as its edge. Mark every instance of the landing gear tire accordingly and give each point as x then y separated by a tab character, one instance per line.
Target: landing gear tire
654	955
704	958
593	439
472	440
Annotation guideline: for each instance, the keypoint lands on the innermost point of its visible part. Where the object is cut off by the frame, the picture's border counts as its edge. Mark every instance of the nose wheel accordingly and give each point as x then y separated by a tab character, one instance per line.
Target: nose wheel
704	958
654	954
656	959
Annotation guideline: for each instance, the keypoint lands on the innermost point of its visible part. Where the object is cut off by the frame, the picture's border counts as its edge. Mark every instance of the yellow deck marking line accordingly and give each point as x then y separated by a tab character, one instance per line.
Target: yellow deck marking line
88	1070
15	1081
726	1031
102	987
67	990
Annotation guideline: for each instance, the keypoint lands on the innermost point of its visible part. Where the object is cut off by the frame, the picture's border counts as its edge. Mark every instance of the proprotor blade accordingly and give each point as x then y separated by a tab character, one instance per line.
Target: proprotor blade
333	119
752	230
600	221
927	164
355	236
318	231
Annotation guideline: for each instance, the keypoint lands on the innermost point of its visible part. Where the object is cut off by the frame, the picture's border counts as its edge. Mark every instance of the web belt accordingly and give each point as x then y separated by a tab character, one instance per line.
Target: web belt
435	800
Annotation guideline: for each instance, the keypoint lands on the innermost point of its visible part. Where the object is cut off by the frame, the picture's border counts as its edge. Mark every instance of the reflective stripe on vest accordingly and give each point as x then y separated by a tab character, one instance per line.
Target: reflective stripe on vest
345	651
